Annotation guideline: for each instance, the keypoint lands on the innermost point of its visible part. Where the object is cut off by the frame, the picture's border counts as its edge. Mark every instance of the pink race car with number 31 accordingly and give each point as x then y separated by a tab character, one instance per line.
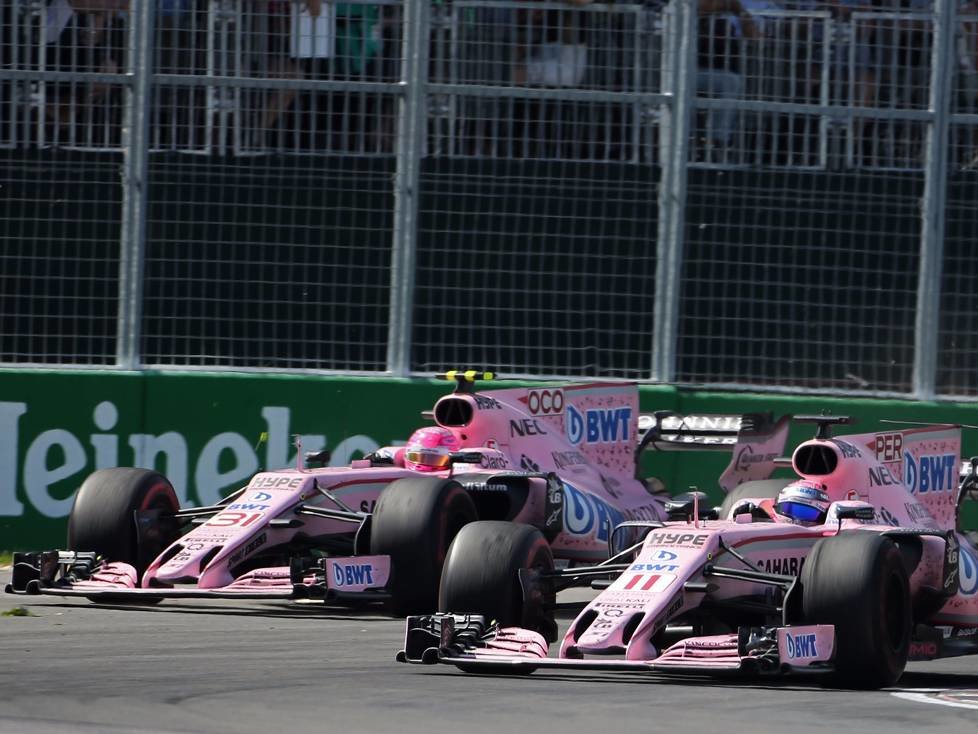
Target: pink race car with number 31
561	460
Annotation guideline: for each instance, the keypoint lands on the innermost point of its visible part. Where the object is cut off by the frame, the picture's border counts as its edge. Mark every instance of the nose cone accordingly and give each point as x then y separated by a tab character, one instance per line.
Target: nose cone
194	563
606	633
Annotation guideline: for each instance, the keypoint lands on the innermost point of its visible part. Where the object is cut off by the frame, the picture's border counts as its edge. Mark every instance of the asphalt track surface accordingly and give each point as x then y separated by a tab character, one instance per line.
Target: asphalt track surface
239	667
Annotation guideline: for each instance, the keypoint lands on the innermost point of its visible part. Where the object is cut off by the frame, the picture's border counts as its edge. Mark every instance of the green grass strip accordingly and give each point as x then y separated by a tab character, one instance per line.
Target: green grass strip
18	612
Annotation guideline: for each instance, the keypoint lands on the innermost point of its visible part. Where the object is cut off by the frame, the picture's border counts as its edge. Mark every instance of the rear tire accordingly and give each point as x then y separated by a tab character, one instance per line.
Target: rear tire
858	583
103	517
757	488
481	571
414	522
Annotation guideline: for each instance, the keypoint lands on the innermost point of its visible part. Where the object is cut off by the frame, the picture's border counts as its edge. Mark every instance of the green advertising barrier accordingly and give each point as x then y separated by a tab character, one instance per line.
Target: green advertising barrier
206	432
210	432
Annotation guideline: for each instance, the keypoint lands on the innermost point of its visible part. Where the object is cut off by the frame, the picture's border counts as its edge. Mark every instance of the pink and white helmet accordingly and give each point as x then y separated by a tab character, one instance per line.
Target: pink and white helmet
429	449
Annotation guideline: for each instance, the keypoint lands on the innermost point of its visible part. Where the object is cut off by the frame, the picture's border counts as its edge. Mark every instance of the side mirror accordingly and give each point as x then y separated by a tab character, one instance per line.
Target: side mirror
681	507
748	512
861	512
317	457
466	457
628	534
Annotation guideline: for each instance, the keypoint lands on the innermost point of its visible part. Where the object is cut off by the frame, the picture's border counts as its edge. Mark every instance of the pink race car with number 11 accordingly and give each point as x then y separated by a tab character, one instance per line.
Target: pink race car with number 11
560	460
857	565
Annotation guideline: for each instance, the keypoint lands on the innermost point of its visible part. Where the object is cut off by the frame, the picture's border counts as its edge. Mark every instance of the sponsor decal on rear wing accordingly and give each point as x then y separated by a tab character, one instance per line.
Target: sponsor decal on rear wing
755	440
668	431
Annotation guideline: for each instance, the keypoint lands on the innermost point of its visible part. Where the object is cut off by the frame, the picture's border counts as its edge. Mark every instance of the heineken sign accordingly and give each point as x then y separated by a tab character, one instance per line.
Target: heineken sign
208	434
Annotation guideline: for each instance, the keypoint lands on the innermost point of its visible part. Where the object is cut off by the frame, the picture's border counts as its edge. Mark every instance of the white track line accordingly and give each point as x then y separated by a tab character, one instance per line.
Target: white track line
925	695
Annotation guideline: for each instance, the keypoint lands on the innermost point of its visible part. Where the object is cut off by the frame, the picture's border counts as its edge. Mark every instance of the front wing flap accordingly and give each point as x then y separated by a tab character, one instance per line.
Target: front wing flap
80	574
473	645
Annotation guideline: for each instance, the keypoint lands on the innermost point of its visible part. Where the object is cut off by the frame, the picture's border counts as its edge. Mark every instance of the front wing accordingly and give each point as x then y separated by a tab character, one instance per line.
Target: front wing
467	642
72	574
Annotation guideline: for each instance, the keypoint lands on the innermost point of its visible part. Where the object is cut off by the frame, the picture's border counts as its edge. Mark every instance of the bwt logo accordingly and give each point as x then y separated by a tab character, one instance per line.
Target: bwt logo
353	575
598	425
664	555
585	513
931	473
801	646
653	567
969	572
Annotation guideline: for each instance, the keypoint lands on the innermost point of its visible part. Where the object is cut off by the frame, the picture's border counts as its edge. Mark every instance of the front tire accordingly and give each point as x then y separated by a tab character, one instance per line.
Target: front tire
481	574
858	583
414	522
103	516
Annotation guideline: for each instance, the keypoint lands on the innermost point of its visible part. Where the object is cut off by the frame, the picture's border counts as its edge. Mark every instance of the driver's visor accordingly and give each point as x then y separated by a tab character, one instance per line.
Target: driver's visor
799	511
437	459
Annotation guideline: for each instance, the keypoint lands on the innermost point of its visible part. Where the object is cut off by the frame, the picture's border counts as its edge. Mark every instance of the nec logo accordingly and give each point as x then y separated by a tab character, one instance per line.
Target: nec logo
526	427
801	646
353	575
598	425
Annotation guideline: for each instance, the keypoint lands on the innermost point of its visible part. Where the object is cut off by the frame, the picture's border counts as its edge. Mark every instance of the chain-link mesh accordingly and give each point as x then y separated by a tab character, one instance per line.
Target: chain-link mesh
60	207
280	200
958	345
537	246
274	249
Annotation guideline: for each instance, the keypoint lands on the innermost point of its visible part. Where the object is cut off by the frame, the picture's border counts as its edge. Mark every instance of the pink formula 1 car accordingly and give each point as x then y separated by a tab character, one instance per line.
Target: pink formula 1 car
852	568
560	461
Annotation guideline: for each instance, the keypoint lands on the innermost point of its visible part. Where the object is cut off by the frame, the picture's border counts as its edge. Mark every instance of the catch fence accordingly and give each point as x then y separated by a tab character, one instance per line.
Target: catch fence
781	198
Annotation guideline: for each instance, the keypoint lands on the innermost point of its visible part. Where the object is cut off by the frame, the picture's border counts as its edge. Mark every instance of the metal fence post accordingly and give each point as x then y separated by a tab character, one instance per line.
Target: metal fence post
672	191
927	323
135	145
412	119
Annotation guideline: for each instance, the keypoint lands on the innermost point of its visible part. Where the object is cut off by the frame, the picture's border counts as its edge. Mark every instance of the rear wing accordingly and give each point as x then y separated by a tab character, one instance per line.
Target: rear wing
665	430
755	440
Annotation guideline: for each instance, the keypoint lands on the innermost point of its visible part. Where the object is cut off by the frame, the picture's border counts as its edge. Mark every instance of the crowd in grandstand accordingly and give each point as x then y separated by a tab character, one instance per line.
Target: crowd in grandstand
848	53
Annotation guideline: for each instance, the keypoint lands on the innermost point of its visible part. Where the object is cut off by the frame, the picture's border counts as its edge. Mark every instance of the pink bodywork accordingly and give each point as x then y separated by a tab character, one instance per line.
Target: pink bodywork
586	435
910	477
242	528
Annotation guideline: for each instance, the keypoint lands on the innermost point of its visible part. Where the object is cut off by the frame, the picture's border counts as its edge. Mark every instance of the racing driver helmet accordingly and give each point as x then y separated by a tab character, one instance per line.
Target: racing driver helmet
804	501
430	449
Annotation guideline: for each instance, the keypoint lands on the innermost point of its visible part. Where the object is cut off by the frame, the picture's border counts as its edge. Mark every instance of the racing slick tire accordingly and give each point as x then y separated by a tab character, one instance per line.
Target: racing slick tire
414	522
858	582
757	488
102	518
481	573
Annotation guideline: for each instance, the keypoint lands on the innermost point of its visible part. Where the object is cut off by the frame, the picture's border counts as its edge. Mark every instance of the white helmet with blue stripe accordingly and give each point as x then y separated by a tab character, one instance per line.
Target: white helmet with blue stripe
804	502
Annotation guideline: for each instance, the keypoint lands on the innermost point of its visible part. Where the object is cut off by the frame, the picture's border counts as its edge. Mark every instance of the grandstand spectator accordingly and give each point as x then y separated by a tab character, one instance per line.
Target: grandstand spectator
308	39
723	25
84	36
967	78
892	69
278	63
347	44
553	52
